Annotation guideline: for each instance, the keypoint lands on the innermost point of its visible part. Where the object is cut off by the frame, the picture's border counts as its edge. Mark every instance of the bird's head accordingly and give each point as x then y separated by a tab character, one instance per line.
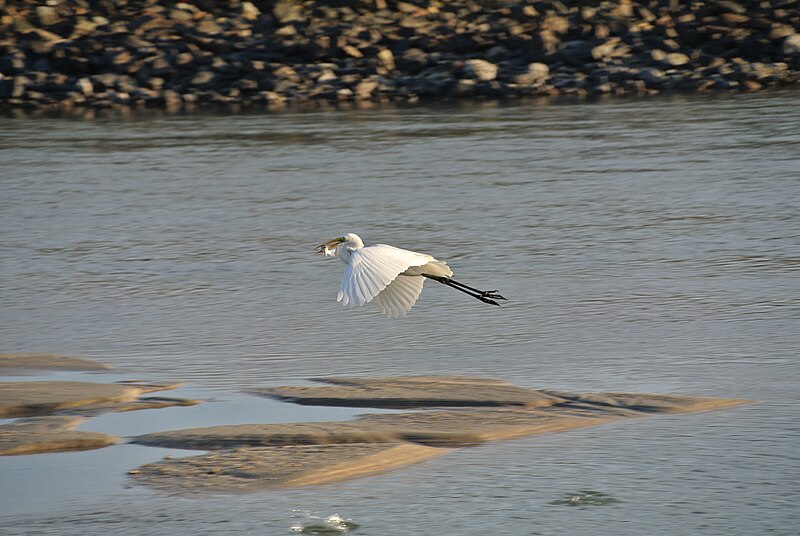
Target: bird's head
329	248
350	240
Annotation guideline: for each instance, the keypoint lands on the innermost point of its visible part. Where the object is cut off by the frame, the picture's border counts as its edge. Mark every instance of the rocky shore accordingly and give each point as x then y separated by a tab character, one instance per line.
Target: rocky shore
68	54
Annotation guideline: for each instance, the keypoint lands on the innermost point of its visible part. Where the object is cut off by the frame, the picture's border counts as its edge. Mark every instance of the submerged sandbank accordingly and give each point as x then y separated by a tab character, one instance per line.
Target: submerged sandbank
451	412
264	456
35	361
47	411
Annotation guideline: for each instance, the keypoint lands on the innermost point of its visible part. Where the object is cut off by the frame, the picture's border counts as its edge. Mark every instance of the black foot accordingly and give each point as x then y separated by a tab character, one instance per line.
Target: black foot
492	294
487	300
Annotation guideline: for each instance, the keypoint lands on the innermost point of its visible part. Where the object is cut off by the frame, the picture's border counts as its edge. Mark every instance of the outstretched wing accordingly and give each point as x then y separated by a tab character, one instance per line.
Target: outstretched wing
371	269
400	295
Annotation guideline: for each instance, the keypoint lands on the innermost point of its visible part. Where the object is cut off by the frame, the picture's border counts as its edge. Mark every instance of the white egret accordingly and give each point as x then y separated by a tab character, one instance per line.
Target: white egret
390	275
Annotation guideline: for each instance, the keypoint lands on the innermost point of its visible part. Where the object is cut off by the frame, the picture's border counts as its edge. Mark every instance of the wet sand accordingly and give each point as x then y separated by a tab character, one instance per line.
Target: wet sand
47	411
33	361
38	435
452	412
248	457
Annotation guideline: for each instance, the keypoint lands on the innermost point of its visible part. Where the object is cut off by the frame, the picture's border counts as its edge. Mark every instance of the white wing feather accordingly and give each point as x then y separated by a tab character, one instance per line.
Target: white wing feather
371	269
400	296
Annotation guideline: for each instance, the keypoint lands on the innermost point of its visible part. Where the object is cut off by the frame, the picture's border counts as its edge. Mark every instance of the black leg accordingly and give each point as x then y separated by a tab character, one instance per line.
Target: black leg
482	295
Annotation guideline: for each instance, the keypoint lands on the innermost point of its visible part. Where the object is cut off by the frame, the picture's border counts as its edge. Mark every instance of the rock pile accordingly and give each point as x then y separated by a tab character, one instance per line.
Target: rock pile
160	53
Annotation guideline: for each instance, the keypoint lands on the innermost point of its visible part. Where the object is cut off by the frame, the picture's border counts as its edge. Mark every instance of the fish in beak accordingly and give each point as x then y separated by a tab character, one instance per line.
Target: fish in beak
329	247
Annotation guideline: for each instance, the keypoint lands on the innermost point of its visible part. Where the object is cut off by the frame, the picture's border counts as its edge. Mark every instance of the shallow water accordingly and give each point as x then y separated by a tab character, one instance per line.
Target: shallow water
643	245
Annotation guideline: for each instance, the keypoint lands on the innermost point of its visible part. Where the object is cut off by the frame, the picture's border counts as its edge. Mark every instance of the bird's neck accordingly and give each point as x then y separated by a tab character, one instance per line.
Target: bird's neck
345	250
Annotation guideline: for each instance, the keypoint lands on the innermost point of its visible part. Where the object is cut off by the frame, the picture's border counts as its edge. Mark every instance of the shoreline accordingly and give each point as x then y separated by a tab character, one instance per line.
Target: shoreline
308	54
127	113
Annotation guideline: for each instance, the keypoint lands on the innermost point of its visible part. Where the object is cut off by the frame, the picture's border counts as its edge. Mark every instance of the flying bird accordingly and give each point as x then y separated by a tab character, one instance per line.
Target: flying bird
392	276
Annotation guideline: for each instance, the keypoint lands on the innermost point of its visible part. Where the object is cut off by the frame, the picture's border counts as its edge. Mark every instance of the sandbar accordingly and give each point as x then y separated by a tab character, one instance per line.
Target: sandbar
458	412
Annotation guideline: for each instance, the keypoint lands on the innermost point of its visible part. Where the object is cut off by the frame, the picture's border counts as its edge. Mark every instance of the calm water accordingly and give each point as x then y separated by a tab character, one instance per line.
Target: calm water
643	245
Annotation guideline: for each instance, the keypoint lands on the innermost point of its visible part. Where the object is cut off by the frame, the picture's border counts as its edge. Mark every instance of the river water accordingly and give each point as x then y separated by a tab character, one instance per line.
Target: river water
644	245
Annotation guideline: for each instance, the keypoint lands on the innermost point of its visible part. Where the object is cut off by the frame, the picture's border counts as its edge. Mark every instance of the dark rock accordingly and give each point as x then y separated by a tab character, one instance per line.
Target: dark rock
265	84
42	64
652	77
413	61
755	47
12	62
6	88
723	83
462	44
575	53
